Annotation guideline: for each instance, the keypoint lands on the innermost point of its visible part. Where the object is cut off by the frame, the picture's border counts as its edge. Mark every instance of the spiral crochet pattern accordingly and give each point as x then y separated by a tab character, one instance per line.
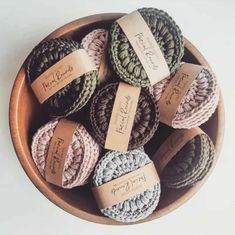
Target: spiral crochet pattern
190	164
81	158
94	44
166	33
115	164
73	96
145	122
198	104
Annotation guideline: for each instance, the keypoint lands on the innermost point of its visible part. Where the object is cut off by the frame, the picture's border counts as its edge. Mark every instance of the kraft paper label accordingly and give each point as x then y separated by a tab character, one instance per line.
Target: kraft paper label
145	46
176	90
103	69
122	117
61	74
172	145
58	150
126	186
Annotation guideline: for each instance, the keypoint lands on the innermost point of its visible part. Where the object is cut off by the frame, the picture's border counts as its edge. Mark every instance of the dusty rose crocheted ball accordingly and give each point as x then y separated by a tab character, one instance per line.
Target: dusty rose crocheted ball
198	104
81	158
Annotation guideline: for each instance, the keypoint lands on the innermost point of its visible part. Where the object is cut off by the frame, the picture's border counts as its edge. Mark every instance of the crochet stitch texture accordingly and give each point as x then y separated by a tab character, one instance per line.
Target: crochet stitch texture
190	164
198	104
73	96
166	33
145	122
115	164
81	158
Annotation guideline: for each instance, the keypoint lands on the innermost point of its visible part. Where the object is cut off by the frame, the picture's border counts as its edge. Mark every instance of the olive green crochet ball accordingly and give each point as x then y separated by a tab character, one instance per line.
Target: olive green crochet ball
190	164
166	33
74	95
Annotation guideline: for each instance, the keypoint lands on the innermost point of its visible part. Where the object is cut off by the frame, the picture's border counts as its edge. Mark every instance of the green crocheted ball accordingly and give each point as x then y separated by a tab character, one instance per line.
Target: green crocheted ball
190	164
73	96
168	36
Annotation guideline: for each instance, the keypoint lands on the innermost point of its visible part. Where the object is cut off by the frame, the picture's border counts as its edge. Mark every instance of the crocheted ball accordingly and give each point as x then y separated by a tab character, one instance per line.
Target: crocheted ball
145	122
190	164
73	96
198	104
115	164
81	158
94	44
166	33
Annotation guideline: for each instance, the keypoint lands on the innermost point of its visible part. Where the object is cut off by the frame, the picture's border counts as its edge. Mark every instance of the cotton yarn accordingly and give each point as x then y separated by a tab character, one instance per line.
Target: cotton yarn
94	43
115	164
190	164
166	33
198	104
73	96
145	122
81	158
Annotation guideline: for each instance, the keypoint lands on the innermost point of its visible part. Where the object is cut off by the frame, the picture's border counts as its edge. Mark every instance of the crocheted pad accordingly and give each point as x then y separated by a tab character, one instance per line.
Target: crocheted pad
190	164
73	96
81	158
146	118
115	164
94	44
168	36
198	104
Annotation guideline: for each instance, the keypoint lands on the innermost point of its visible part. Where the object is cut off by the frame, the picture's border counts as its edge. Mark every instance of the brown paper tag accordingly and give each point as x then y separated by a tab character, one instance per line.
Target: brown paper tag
61	74
176	90
103	69
58	150
172	145
122	117
126	186
145	46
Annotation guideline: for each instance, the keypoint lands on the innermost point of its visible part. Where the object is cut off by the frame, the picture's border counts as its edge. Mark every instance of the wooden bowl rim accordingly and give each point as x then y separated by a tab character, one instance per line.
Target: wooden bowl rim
42	187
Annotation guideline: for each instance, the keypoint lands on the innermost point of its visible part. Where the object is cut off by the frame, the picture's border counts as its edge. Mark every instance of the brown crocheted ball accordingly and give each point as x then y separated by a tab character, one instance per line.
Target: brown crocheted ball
145	122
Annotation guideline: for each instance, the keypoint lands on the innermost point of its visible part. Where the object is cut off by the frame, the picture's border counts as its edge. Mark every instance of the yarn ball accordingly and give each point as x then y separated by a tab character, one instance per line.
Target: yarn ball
190	164
94	44
166	33
81	158
145	122
115	164
73	96
198	104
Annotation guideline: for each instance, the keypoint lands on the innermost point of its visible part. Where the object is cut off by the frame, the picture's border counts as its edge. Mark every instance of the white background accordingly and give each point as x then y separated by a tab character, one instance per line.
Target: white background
210	25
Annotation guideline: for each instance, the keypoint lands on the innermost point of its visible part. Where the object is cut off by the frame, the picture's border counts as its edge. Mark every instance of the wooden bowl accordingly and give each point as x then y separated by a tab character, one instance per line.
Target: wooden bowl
26	116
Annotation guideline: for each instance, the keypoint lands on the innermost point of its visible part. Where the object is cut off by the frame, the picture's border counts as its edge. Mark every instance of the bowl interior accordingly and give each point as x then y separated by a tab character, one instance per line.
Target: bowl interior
26	116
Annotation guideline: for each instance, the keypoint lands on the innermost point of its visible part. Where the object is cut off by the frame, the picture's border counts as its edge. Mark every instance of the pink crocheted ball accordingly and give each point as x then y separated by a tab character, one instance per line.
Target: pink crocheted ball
198	104
81	158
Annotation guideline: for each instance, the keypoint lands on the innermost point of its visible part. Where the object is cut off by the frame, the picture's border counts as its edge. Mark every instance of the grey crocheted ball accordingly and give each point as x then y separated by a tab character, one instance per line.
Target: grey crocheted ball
190	164
166	33
115	164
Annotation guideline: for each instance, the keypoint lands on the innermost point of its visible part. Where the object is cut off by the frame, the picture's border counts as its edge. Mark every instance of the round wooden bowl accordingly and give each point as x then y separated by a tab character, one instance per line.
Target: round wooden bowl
26	116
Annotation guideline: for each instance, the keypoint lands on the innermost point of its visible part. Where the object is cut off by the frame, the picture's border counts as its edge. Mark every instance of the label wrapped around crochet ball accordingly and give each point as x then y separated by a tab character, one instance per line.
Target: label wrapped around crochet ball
103	69
61	74
58	149
126	186
172	145
122	117
145	46
178	87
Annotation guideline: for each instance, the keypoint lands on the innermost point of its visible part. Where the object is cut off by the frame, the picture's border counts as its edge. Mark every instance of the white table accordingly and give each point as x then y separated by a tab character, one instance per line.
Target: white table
210	25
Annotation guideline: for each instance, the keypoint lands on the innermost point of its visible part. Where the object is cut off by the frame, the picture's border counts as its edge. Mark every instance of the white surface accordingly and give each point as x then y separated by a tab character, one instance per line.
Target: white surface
24	210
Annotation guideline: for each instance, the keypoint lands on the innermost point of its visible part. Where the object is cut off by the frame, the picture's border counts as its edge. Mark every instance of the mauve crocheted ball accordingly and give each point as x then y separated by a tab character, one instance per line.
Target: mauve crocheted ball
73	96
198	104
94	44
81	158
115	164
166	33
145	122
190	164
